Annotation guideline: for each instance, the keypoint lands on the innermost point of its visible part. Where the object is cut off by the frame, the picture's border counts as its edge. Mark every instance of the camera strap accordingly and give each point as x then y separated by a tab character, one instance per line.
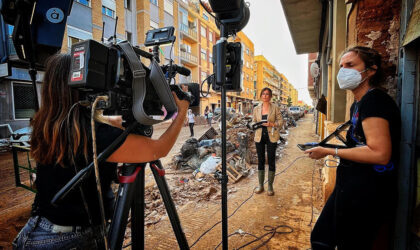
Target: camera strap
139	86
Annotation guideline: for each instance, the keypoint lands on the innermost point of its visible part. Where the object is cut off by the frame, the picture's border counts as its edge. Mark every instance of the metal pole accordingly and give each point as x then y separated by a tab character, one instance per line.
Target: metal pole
224	177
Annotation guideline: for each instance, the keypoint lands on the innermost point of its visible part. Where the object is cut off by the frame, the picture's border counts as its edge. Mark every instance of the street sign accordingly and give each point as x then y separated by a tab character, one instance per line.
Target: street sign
4	69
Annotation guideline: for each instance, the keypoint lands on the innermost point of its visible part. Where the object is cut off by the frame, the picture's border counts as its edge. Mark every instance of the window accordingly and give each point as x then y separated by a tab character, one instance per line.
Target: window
210	57
154	25
247	51
108	12
203	54
128	36
169	7
127	4
155	2
84	2
247	77
203	32
205	17
210	36
23	100
73	40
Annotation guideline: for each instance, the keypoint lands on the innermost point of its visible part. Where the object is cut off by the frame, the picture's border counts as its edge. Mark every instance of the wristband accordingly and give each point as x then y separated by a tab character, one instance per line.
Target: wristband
336	154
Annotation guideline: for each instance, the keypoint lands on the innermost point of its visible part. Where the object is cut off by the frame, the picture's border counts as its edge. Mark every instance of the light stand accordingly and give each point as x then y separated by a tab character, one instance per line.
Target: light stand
220	81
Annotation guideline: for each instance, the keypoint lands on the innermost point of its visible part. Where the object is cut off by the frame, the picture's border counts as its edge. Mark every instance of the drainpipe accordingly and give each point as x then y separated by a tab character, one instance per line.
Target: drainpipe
330	30
321	36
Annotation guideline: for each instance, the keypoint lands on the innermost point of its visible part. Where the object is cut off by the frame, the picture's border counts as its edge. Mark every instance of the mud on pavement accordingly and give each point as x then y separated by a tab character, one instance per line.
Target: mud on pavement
296	204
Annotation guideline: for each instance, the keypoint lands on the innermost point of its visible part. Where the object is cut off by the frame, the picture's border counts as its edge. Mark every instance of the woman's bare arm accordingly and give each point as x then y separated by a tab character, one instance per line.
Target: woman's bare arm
378	147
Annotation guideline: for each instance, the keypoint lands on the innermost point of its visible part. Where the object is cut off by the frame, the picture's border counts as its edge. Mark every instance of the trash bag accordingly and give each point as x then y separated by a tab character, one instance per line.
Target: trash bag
189	148
210	164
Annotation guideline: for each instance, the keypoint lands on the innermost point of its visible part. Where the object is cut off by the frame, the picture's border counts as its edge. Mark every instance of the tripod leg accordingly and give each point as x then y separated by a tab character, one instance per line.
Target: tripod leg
137	213
126	193
169	205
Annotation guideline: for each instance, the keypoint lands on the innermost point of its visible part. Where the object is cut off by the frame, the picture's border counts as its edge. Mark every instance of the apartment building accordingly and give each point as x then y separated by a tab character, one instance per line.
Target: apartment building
196	34
268	76
245	98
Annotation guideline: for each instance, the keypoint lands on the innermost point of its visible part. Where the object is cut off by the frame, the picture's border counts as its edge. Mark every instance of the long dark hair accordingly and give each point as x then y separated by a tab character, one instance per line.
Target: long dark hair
370	57
58	117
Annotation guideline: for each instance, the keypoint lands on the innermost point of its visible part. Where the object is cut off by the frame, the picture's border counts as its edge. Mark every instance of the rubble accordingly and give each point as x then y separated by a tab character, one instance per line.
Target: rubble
198	165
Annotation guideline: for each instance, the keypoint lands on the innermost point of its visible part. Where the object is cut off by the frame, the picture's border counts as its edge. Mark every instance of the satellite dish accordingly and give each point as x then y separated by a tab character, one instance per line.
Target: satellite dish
314	69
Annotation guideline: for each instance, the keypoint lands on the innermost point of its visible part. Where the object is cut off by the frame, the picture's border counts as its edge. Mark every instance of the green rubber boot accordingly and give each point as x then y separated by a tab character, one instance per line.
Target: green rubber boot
270	191
260	188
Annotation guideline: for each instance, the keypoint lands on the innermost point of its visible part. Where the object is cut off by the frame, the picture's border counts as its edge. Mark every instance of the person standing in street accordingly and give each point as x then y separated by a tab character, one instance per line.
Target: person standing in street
209	117
360	212
206	112
191	122
268	136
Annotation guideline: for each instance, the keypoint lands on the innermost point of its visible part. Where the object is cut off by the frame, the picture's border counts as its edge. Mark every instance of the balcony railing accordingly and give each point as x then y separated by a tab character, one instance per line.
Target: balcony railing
187	31
189	57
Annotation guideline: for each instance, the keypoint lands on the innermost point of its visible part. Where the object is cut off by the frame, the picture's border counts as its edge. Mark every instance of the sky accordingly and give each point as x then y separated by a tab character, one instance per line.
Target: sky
268	30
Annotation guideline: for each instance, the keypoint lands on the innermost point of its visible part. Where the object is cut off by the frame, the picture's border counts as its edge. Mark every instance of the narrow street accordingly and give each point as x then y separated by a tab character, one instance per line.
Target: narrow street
290	206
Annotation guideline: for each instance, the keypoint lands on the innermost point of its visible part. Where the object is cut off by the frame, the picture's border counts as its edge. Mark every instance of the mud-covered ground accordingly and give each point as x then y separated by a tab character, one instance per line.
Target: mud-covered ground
296	201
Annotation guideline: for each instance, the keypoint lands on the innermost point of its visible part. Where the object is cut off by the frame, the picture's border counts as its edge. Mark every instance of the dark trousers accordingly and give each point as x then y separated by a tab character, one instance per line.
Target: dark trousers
271	152
191	128
357	212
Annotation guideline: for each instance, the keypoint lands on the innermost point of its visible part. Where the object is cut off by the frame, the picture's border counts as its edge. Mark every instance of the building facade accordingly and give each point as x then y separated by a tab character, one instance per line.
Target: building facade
268	76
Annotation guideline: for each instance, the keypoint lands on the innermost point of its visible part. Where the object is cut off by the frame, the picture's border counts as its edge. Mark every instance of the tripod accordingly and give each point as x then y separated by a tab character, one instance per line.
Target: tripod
130	196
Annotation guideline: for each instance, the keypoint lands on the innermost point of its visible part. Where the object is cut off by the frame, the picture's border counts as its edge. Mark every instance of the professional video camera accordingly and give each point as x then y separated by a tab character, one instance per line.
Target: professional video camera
133	90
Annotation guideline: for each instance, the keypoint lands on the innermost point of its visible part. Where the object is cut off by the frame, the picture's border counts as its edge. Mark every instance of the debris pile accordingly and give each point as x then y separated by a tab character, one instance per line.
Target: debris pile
195	171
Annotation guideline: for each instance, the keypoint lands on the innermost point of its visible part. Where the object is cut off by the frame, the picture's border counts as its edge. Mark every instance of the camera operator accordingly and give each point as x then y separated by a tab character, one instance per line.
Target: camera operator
360	211
61	145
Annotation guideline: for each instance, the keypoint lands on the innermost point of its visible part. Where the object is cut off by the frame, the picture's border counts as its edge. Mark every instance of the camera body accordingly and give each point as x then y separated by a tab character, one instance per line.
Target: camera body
135	91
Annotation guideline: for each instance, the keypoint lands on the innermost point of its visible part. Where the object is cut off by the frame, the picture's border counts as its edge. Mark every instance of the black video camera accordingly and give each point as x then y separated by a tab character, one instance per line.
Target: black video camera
135	91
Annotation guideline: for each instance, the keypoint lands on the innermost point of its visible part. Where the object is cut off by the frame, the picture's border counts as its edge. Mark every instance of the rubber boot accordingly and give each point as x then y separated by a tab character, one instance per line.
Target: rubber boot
260	188
270	190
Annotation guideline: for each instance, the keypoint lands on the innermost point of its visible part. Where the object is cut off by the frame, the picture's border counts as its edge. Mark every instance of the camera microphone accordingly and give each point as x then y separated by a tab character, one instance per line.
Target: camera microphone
181	70
178	69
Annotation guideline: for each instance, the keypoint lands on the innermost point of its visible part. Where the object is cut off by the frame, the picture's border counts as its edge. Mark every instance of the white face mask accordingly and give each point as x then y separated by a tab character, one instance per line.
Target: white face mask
349	78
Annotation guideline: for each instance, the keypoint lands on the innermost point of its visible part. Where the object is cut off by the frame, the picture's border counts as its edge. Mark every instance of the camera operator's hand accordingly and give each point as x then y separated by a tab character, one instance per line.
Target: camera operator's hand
181	104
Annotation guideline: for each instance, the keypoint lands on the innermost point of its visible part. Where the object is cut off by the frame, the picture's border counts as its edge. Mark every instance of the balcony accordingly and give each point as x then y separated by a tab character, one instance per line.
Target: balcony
188	33
189	59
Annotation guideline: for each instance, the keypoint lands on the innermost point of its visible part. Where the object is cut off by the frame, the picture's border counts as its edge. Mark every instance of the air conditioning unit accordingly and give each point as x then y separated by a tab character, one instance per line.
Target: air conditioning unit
183	47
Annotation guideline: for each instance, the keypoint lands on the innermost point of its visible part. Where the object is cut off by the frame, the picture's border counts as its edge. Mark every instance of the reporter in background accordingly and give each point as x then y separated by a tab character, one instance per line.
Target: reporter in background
359	213
268	136
61	145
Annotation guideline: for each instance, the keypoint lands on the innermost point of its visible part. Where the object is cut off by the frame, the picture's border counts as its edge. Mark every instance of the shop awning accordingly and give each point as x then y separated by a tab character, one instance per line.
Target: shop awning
304	20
